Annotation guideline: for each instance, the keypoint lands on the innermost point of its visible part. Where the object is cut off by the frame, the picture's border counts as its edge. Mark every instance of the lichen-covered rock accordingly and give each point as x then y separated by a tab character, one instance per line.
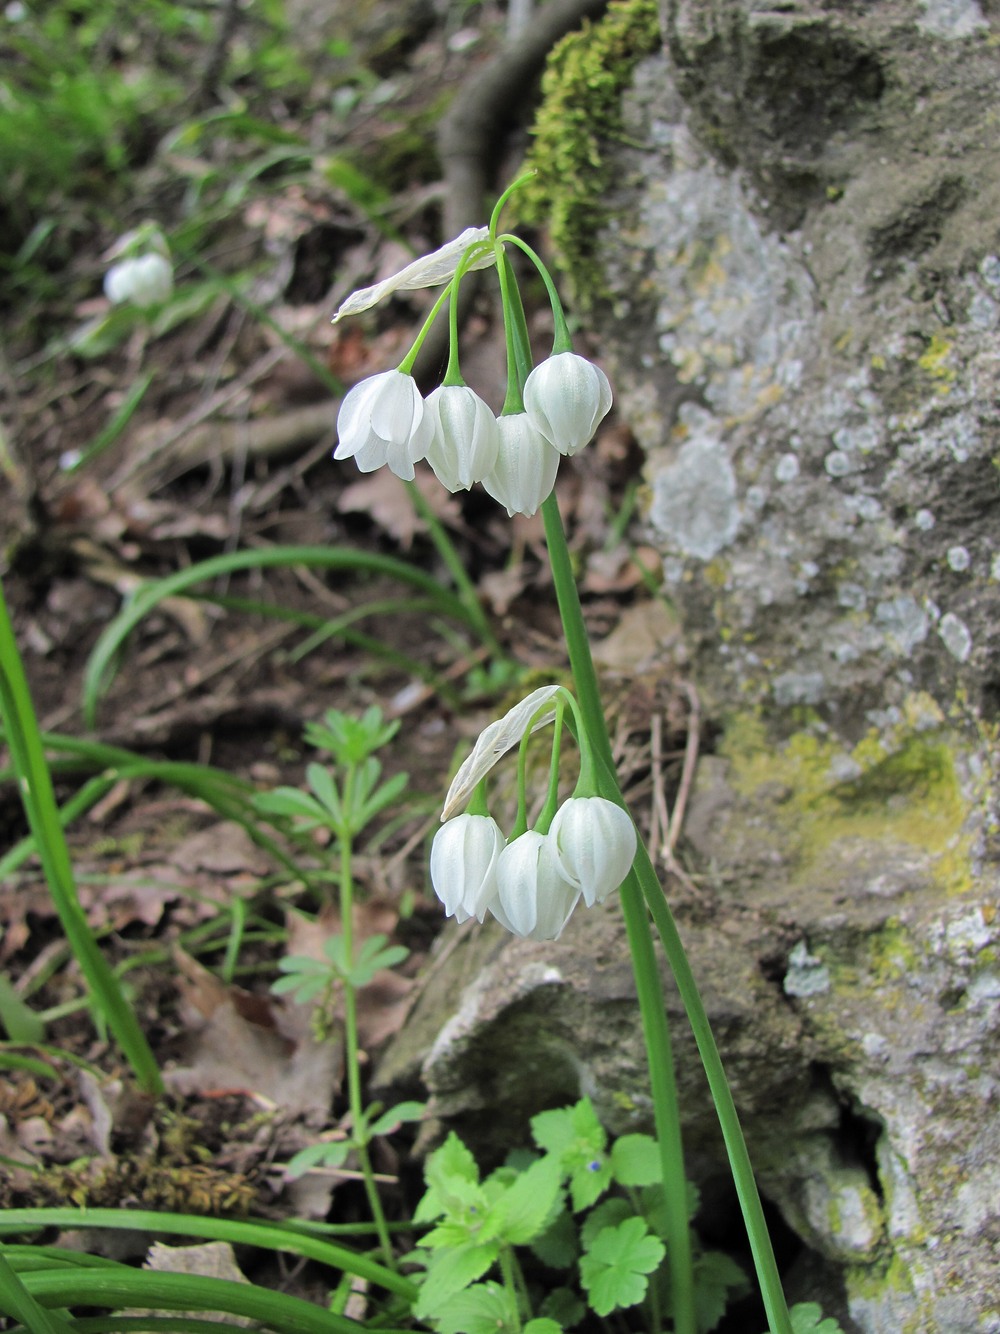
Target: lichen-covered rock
800	306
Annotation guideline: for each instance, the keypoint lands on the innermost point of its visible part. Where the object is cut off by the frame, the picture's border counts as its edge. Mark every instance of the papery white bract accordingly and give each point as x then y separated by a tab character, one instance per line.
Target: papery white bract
428	271
145	280
595	845
382	420
525	471
463	865
533	898
494	742
465	438
565	398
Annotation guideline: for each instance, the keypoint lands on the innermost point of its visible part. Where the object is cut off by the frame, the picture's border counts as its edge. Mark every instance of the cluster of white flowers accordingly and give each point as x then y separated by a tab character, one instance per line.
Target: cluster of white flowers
385	420
143	274
532	883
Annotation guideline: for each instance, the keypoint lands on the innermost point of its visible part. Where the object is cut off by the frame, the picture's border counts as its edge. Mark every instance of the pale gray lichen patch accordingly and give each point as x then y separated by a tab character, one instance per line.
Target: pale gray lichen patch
956	636
951	19
694	499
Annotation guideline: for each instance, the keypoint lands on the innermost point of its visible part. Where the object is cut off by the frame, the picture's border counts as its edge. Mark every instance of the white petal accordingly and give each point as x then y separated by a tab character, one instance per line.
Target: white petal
533	899
493	744
428	271
465	439
595	844
463	865
565	398
525	471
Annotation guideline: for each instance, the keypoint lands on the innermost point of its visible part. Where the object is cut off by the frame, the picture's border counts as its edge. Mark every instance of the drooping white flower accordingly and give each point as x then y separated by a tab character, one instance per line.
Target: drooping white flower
464	858
595	845
382	420
428	271
494	742
565	398
145	280
465	438
525	471
533	898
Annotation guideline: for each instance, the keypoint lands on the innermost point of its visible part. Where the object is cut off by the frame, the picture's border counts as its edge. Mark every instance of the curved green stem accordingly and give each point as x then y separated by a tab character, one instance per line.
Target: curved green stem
561	341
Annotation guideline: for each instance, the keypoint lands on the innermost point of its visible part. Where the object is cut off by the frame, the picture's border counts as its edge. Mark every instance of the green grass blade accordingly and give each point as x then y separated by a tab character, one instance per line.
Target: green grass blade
38	799
18	1302
268	1236
100	664
183	1292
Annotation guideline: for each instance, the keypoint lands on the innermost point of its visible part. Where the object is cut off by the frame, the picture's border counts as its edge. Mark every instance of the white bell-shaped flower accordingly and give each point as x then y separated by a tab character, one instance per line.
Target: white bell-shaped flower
465	438
146	280
464	858
595	844
533	898
382	421
565	398
525	471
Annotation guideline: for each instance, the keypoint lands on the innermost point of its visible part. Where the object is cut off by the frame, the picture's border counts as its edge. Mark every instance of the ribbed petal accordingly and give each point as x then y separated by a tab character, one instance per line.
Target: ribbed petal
525	471
594	844
354	421
533	899
398	408
465	437
464	857
565	398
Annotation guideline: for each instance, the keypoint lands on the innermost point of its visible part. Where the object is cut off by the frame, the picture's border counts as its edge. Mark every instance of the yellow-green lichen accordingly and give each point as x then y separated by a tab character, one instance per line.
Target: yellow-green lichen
898	786
937	362
578	122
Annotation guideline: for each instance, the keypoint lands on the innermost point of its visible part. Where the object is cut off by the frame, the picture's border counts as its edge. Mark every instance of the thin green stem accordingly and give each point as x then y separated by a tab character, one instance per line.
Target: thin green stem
739	1159
650	992
38	799
513	402
646	878
561	341
406	365
352	1046
510	1283
17	1301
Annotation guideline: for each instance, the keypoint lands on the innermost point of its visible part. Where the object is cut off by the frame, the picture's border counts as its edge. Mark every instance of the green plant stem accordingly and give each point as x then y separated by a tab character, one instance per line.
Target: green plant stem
644	876
351	1037
765	1265
510	1282
38	798
647	978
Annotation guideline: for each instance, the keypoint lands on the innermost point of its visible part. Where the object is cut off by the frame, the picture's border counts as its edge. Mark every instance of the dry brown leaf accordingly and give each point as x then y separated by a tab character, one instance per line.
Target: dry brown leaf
382	495
639	638
239	1041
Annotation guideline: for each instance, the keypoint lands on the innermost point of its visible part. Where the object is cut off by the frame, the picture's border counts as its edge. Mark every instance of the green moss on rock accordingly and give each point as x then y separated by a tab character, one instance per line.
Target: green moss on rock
579	120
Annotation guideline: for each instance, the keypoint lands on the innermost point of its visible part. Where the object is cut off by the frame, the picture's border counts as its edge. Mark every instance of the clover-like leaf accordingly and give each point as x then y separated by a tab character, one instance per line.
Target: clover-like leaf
635	1161
614	1270
485	1308
807	1318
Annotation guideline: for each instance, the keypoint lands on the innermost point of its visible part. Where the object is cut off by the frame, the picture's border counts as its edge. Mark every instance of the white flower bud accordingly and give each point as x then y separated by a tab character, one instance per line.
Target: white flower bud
533	897
147	280
382	420
594	846
464	858
565	398
465	437
525	471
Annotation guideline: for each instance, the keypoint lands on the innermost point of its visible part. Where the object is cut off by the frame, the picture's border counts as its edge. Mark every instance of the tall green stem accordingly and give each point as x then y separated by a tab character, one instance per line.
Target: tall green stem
352	1052
38	799
652	1008
643	880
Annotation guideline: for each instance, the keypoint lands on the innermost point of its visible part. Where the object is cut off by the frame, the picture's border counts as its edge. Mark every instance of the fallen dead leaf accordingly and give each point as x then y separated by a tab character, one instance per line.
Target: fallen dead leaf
383	496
